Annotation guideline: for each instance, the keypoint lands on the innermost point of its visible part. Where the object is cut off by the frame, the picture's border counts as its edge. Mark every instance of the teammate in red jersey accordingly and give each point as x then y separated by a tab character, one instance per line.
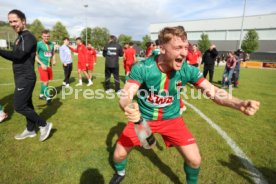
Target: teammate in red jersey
194	56
129	58
91	59
149	49
82	61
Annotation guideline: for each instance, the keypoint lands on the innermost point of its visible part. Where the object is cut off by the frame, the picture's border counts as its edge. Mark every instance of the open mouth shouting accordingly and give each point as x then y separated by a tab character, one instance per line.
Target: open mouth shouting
179	62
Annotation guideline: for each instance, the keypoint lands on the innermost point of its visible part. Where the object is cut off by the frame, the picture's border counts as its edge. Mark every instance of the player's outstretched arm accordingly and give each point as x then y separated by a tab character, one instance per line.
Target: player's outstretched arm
73	49
221	97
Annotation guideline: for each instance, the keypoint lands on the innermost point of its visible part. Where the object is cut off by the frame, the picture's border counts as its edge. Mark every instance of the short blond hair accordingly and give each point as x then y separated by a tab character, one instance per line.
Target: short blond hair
166	34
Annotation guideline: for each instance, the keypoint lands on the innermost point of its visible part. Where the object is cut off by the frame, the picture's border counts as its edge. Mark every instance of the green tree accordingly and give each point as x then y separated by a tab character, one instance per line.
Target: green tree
145	40
204	43
58	32
36	28
122	39
3	23
89	35
99	37
251	41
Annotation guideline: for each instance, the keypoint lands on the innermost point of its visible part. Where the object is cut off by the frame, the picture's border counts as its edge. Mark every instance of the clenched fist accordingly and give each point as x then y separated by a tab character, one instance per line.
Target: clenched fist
249	107
132	112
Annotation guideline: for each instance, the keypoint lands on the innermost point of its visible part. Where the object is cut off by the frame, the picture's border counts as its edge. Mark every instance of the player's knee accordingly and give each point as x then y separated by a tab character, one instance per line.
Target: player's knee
194	161
119	154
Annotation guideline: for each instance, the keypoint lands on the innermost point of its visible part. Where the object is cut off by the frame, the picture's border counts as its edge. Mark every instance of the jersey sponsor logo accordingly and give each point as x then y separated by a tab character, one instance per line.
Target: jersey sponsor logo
178	84
160	101
48	54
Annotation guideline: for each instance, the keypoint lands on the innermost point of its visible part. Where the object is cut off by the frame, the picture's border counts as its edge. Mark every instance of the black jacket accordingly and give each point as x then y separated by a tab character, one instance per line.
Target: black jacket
112	51
22	56
209	57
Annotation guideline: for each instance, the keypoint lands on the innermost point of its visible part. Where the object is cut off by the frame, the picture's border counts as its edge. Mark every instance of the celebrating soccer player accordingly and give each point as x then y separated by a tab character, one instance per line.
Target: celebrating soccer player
158	77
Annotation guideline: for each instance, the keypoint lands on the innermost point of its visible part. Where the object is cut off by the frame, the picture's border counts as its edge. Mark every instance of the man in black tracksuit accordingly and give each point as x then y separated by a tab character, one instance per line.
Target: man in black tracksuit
23	58
208	59
112	51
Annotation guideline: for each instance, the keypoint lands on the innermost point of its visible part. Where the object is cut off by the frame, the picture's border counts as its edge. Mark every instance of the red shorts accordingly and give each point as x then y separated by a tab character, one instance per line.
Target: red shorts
45	75
127	67
90	66
173	131
82	66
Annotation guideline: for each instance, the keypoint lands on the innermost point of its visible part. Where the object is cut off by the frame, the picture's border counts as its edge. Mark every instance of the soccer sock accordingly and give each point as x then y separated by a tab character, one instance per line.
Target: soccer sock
89	80
41	89
120	167
80	81
45	90
191	174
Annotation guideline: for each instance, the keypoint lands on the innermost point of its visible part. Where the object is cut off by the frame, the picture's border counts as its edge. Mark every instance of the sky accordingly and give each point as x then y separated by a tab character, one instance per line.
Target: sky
130	17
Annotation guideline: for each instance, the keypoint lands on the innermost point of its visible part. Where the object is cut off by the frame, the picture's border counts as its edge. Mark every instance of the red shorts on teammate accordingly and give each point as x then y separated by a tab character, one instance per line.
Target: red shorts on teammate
81	66
45	75
173	131
127	67
84	66
90	66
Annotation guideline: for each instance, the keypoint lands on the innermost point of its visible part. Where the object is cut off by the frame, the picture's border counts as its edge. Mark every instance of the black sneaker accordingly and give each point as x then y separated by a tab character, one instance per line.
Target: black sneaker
49	101
116	179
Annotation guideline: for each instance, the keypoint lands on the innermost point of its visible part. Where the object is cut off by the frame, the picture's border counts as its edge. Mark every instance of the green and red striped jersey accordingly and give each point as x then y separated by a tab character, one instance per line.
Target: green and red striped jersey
45	52
158	95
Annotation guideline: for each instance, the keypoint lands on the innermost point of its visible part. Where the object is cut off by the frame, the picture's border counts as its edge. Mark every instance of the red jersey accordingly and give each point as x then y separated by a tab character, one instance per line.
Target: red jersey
148	51
130	54
192	57
82	53
91	55
124	50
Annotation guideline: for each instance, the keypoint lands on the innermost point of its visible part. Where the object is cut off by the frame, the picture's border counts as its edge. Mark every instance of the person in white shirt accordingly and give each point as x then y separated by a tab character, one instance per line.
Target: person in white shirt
66	59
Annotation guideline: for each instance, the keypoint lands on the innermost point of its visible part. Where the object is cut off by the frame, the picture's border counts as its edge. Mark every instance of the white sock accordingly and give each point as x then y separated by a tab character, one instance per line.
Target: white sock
89	80
80	81
121	173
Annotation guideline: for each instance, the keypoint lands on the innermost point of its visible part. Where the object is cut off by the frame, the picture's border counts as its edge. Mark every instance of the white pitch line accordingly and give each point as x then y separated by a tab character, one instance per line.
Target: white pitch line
255	173
55	80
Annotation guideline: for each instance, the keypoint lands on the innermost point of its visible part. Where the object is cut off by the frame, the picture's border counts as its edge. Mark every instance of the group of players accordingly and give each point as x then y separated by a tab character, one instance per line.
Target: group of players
165	72
45	57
